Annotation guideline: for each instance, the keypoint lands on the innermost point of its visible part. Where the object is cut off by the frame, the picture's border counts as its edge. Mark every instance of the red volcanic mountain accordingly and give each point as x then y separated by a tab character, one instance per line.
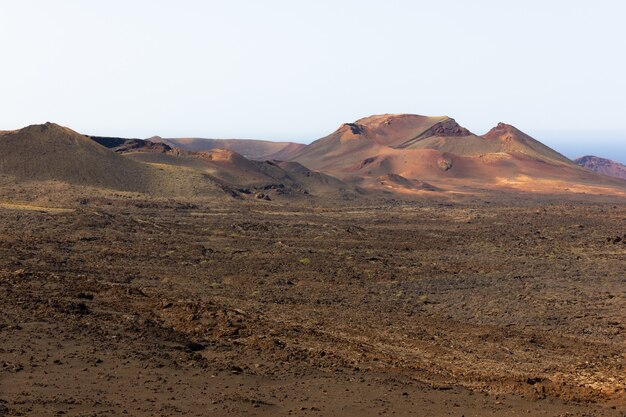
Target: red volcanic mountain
441	153
377	134
602	166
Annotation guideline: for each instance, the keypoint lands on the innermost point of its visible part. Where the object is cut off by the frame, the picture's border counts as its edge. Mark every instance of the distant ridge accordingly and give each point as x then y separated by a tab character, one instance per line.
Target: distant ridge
250	148
602	166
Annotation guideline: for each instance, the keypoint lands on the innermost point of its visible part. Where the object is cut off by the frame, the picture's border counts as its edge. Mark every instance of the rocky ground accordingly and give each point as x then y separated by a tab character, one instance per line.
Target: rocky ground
163	308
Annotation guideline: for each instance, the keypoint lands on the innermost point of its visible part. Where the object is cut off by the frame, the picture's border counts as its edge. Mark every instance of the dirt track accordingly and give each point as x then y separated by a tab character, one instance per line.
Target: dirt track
179	309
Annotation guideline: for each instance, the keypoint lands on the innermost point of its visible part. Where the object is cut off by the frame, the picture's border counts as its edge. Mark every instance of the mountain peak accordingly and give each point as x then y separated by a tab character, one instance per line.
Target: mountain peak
514	140
398	129
500	129
506	132
355	128
376	121
51	132
45	127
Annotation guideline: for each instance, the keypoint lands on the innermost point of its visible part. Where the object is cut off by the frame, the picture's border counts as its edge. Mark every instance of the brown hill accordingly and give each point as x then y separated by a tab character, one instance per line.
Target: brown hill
53	152
251	149
50	152
602	166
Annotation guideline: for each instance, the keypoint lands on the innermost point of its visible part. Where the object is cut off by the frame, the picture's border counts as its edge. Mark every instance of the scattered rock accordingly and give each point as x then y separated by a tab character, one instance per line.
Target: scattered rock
236	369
194	347
84	296
444	164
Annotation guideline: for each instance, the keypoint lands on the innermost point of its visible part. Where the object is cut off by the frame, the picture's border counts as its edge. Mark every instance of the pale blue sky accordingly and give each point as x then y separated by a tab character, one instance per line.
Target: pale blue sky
295	70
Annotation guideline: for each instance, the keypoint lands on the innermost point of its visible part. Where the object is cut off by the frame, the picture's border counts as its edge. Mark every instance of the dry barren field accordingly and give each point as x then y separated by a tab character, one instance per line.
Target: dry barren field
166	308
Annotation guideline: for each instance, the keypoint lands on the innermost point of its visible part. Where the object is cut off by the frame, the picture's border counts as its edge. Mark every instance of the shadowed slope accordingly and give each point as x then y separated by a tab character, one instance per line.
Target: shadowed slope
122	145
246	176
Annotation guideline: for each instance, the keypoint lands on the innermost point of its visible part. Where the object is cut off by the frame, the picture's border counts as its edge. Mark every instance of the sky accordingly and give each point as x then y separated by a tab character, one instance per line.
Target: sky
295	69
